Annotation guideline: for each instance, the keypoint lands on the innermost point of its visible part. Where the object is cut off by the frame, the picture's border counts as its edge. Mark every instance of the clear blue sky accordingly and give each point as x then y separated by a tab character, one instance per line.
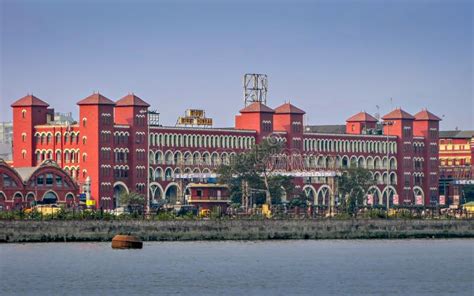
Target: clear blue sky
332	58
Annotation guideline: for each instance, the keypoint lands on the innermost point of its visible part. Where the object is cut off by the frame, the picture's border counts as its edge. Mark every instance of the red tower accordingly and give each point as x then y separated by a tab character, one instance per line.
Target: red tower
360	122
96	119
257	117
400	124
27	112
426	125
289	118
133	112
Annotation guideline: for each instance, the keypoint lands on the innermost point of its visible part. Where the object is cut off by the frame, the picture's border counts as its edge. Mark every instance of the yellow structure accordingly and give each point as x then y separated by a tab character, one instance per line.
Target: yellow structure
469	207
267	213
47	209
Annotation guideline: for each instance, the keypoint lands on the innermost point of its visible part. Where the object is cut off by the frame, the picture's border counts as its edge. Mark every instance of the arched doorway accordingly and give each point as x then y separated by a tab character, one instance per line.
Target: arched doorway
375	196
419	195
119	189
388	192
156	193
323	196
2	201
309	191
17	201
50	197
30	199
171	194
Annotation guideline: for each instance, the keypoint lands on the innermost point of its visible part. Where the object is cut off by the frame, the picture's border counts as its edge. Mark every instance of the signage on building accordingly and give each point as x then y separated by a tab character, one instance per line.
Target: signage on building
419	200
456	199
195	117
463	182
442	200
308	174
195	113
370	199
395	199
90	202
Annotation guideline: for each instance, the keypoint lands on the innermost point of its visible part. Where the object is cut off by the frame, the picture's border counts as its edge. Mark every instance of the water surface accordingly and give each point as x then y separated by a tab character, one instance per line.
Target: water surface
328	267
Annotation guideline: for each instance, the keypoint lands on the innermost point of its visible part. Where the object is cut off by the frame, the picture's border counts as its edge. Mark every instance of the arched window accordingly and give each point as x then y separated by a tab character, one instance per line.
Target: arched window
84	121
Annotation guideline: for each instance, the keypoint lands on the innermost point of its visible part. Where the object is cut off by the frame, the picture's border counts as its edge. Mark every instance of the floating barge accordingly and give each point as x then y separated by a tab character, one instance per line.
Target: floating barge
126	242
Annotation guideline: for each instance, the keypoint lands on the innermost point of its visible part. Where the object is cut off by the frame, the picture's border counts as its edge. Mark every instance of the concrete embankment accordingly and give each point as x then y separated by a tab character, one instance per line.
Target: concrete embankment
61	231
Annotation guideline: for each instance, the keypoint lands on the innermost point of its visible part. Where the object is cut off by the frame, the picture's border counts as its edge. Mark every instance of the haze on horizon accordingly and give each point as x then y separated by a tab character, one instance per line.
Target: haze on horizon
332	59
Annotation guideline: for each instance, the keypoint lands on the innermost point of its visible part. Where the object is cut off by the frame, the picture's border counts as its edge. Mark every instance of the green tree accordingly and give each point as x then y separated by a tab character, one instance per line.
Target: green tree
256	167
133	200
353	186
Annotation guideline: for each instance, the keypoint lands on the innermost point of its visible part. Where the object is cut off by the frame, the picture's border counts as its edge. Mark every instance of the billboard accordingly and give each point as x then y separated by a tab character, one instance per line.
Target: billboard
195	117
442	200
395	199
456	200
370	199
195	113
419	200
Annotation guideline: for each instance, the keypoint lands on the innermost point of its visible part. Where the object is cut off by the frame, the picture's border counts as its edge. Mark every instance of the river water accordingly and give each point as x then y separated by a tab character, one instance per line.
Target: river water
327	267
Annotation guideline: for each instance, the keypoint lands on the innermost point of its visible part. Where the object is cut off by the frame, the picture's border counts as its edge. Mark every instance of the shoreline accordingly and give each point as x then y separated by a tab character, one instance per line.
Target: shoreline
223	230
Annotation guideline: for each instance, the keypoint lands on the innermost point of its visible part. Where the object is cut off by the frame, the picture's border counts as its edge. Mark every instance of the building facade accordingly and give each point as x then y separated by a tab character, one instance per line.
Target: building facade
456	154
115	145
21	187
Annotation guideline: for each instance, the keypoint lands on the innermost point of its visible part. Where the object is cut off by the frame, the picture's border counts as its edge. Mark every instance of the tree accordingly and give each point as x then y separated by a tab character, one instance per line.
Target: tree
256	167
353	186
132	200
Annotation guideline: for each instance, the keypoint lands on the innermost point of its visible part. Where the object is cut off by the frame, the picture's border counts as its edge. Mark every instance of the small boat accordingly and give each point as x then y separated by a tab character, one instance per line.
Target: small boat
126	242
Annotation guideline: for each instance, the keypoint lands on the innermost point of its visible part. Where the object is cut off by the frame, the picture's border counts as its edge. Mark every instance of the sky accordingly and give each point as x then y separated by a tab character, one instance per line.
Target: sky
330	58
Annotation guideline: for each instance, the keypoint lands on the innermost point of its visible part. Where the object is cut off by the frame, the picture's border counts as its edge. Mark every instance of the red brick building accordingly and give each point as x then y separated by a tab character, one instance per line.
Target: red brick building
47	183
113	145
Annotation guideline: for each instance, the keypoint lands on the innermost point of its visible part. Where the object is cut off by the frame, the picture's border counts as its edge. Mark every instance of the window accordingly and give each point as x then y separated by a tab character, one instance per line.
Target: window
59	181
40	180
199	193
8	181
84	121
23	137
49	179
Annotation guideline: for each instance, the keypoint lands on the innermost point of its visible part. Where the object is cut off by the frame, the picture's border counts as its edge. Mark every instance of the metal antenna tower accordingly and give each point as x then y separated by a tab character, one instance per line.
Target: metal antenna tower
255	88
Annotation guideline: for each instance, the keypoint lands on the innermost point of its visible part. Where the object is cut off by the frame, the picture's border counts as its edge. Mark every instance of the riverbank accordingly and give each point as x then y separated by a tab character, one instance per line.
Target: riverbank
75	231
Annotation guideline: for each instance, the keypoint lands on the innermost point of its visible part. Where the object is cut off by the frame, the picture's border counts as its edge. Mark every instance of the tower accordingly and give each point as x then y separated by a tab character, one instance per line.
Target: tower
401	126
257	117
360	123
96	120
289	119
255	88
426	125
133	112
27	112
